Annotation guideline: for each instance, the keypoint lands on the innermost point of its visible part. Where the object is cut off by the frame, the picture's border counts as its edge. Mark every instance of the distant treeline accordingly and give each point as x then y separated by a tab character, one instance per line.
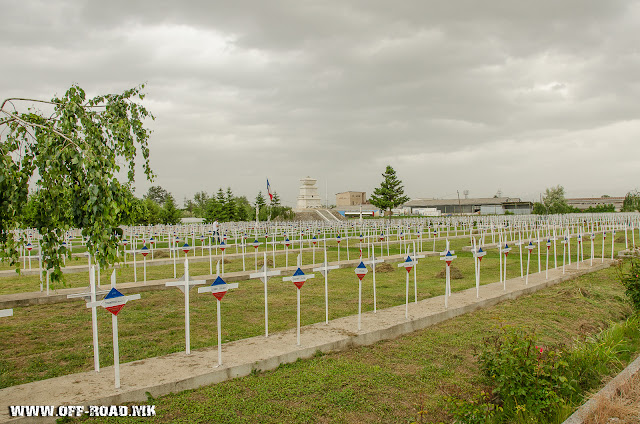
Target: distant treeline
158	206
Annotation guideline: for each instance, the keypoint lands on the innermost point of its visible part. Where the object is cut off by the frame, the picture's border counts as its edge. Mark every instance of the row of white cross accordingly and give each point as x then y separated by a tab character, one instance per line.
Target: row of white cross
114	300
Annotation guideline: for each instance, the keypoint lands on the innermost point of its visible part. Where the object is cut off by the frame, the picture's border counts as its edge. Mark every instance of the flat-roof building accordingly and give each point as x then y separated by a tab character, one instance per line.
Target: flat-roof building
481	206
583	203
351	198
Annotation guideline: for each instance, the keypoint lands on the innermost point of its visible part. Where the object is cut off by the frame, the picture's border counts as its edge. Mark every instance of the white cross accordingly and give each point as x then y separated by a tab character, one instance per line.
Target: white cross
324	270
6	313
300	278
415	258
108	303
264	274
91	296
218	287
184	286
373	261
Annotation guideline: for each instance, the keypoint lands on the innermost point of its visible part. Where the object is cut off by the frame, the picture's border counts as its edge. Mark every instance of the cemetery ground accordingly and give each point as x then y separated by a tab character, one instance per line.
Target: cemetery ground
50	340
406	379
45	341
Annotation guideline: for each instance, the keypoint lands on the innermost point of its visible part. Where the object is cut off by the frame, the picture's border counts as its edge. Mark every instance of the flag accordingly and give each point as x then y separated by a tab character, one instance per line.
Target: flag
269	191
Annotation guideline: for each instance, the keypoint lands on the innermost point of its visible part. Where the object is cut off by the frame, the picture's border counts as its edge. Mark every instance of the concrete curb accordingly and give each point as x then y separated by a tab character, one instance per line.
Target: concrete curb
607	392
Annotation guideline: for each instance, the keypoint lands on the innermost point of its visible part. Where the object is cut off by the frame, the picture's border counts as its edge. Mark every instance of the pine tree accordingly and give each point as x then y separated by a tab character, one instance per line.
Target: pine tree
276	200
260	202
230	206
222	201
390	194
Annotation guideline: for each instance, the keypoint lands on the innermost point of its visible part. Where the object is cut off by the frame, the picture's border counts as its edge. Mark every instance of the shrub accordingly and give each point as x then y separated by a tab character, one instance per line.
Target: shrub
526	377
631	282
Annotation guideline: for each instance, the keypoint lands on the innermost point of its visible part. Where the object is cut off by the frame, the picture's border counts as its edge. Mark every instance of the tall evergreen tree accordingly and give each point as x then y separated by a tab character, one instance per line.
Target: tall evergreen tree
230	206
390	194
260	202
276	200
212	210
222	201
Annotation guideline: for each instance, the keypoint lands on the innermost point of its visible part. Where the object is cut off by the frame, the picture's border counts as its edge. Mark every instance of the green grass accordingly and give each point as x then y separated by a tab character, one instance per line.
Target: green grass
391	381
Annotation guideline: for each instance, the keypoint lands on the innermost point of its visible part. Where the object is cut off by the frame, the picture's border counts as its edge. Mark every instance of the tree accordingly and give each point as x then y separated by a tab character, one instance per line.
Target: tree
157	194
71	153
170	214
154	213
631	201
243	207
200	203
230	206
390	194
539	209
554	201
212	210
276	200
260	204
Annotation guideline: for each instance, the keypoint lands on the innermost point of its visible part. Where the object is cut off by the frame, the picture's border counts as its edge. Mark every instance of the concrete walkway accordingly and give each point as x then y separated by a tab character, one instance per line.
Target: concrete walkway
176	372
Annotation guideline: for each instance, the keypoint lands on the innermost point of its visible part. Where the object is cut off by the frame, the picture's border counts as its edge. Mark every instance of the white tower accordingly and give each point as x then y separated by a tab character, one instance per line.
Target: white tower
308	197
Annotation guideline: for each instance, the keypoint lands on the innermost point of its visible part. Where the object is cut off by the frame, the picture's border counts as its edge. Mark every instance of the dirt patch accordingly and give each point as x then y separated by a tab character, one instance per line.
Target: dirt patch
384	268
261	262
456	274
157	254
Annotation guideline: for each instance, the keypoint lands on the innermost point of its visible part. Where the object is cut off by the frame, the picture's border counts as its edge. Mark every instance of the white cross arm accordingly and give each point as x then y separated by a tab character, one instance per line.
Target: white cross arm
298	278
406	264
262	274
372	261
325	267
478	254
414	257
87	295
6	312
182	283
444	253
114	301
217	288
447	258
137	251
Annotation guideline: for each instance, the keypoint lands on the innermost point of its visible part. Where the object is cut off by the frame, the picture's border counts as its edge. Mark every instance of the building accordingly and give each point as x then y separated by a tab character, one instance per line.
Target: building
480	206
353	211
583	203
308	197
351	198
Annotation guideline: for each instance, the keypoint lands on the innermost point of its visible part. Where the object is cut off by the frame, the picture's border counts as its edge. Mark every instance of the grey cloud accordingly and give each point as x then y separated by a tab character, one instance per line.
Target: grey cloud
336	90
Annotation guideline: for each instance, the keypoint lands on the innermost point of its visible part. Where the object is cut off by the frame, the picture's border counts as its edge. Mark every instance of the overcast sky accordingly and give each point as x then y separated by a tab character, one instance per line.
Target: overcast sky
455	95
